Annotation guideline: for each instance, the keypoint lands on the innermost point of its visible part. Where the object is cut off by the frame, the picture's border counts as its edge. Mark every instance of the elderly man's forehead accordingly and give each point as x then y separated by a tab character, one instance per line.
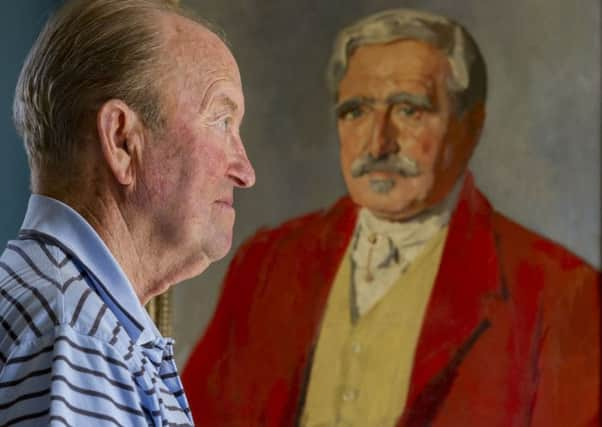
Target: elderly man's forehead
189	42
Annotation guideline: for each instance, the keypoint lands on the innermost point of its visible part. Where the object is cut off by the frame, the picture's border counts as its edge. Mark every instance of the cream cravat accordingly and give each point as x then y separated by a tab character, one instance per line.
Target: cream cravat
382	250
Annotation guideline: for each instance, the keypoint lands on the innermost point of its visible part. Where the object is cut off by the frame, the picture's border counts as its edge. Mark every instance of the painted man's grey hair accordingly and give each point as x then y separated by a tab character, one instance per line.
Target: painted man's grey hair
468	84
90	51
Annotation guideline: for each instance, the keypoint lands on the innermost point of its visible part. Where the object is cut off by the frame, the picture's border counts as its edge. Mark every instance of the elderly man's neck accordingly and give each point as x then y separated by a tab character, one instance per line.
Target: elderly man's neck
150	268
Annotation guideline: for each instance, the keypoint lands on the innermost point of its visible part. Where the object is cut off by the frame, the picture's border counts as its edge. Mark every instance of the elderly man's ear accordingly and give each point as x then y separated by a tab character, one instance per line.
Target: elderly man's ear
121	137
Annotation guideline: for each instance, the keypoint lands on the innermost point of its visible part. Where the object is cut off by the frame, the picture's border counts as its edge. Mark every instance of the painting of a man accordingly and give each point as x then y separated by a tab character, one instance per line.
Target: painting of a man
410	302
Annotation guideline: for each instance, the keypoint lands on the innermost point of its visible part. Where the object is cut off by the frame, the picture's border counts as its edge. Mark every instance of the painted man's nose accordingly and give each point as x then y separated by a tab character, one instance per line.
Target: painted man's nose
384	137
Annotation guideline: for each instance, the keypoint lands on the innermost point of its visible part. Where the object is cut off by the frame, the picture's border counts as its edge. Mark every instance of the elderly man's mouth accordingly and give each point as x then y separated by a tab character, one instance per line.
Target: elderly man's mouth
225	202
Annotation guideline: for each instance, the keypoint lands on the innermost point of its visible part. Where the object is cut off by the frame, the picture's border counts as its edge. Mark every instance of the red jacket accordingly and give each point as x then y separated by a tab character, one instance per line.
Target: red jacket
511	336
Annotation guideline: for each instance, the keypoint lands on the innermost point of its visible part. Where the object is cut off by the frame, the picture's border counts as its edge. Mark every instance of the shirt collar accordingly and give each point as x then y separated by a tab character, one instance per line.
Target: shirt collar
61	223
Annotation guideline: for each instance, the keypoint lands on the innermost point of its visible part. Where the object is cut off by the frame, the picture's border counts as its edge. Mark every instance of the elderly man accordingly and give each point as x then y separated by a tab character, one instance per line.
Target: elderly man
130	114
412	302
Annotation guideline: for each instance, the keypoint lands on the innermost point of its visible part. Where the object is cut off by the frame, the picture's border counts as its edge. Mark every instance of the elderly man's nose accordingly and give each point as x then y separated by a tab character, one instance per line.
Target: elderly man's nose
241	171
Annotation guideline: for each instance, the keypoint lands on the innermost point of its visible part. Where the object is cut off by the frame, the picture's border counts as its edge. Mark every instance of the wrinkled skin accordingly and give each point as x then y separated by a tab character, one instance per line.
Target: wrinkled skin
192	166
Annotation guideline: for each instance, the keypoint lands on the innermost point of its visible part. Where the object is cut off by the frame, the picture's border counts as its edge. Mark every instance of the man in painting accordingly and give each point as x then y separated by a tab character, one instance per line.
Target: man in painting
129	111
411	302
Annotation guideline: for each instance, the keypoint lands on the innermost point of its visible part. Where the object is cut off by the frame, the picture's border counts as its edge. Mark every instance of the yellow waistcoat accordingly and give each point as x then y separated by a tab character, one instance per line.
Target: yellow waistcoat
361	372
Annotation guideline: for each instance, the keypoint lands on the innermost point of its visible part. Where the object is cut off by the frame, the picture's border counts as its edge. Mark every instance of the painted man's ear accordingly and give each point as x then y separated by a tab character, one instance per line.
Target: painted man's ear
121	134
477	120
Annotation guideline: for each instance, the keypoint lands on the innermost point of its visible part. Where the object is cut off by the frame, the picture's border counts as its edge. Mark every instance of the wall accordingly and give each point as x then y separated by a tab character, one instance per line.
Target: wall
20	23
539	157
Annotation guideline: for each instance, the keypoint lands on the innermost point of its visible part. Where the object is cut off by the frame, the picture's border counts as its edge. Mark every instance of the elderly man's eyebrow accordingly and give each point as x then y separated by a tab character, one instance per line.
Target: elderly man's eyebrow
421	101
227	102
352	103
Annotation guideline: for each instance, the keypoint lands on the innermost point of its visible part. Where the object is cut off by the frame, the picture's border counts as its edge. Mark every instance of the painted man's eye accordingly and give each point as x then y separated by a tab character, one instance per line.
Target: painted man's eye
407	110
351	113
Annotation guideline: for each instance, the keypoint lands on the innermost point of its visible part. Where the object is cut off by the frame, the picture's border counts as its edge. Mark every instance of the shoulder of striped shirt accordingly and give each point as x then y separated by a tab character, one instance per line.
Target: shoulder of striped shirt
42	295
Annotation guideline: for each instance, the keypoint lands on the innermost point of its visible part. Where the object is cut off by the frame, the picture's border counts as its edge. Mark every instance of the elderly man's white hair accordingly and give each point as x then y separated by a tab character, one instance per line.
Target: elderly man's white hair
468	84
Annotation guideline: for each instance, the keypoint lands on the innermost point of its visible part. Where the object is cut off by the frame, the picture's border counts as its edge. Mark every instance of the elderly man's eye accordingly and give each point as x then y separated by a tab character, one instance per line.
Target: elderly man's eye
223	123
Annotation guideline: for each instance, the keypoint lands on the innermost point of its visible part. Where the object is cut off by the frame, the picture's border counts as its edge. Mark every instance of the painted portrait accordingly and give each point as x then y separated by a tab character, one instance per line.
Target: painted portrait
535	164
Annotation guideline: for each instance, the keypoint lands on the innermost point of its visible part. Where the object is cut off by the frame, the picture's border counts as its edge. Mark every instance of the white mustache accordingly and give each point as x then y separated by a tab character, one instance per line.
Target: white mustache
402	165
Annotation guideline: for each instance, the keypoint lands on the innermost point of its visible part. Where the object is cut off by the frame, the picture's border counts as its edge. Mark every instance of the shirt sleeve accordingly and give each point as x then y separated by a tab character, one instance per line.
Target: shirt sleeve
68	379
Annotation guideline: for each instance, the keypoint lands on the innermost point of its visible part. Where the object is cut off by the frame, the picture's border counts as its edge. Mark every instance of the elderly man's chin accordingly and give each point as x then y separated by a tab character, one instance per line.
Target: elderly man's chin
219	244
219	241
393	199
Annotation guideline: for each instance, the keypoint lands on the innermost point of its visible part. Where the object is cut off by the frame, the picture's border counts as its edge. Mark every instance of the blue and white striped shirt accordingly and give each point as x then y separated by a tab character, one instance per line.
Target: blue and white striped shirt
76	346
